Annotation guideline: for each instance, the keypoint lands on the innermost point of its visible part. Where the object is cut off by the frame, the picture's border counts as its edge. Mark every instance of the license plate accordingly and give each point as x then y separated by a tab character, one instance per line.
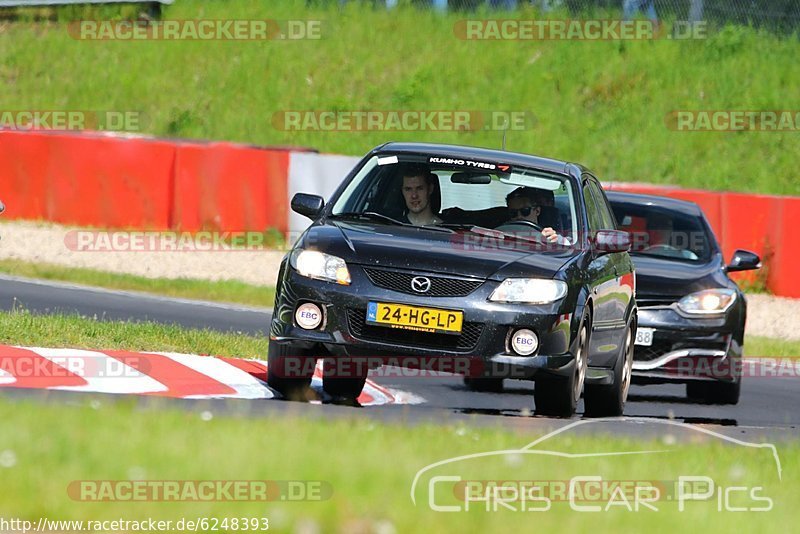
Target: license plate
644	336
430	320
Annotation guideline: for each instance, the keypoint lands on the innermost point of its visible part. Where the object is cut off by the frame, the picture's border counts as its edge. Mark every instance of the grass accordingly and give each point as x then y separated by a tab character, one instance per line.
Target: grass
368	473
221	291
602	103
25	328
765	347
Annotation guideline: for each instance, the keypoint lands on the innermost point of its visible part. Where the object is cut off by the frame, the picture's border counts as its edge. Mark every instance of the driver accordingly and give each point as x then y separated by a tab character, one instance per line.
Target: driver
524	205
418	187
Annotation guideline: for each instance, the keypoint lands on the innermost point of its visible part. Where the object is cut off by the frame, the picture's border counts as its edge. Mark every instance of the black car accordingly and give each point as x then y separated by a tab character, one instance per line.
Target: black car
540	292
691	314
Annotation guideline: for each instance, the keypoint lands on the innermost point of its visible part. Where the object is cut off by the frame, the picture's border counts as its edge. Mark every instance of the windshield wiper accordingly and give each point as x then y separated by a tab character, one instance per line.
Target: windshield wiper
374	216
471	227
489	232
369	215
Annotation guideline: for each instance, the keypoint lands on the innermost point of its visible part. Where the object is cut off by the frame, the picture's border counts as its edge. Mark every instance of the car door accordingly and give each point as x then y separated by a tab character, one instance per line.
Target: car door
607	272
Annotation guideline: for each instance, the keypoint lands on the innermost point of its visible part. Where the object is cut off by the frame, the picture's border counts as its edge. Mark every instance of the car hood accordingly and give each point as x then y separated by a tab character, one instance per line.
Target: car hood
664	278
458	253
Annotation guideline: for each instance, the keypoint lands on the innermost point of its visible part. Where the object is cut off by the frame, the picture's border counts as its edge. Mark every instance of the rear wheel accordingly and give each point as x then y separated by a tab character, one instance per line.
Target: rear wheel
609	401
559	396
290	370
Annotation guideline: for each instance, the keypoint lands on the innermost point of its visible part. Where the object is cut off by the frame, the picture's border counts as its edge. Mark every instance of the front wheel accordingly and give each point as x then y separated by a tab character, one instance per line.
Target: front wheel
559	396
609	401
343	383
290	370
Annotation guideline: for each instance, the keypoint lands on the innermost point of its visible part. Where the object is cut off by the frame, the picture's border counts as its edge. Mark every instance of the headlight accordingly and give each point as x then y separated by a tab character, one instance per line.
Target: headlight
529	291
314	264
708	302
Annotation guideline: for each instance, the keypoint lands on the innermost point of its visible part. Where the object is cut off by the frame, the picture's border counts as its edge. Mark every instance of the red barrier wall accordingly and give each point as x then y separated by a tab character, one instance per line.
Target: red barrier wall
784	274
114	182
221	186
87	180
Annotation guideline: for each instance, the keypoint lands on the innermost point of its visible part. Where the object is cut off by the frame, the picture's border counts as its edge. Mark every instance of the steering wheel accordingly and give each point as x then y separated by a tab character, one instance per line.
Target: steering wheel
523	222
668	248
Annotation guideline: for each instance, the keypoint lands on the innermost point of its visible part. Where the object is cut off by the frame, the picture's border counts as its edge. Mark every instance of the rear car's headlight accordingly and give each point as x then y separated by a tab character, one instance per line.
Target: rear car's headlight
707	302
529	291
314	264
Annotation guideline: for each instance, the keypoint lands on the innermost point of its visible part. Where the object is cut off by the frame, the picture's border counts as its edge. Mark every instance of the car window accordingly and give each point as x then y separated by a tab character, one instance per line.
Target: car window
592	210
663	233
603	208
463	194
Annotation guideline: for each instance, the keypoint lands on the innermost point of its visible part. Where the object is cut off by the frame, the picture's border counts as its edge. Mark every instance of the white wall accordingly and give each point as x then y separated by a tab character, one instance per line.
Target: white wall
318	174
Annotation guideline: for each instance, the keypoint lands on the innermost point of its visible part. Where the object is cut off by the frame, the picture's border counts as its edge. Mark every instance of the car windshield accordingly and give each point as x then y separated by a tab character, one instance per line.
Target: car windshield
422	190
664	233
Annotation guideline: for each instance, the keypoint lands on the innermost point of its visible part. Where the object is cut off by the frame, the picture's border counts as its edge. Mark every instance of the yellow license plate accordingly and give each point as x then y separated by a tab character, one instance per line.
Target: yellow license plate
415	318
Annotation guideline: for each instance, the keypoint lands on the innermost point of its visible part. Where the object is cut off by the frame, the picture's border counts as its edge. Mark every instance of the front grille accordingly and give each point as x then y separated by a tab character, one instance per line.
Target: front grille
656	350
651	301
440	286
466	341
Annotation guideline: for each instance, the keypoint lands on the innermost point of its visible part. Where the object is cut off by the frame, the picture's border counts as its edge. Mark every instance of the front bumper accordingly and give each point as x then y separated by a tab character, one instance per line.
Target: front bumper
686	349
480	350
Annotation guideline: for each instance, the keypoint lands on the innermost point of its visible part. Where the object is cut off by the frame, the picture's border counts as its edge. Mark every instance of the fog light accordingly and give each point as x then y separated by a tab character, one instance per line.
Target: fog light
524	342
308	316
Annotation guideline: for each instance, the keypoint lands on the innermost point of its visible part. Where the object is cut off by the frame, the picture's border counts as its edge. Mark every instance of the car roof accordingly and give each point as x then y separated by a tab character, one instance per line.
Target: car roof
486	154
673	204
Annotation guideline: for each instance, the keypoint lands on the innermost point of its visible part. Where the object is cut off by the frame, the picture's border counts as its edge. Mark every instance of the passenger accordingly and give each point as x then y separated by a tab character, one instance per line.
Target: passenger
419	185
524	204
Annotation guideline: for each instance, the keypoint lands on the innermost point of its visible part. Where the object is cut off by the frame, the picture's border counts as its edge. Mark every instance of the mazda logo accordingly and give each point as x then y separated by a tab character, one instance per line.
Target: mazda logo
421	284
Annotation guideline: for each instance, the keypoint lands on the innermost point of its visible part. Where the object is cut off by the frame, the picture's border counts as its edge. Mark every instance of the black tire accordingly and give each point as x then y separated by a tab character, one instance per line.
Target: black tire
609	400
488	385
346	386
558	396
289	371
715	392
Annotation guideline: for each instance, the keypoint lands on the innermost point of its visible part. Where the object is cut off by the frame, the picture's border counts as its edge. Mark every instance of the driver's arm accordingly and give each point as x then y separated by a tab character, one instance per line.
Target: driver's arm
552	237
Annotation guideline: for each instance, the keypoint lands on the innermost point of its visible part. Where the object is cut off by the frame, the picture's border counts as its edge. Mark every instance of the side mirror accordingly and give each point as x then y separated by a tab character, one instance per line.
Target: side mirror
612	241
308	205
744	260
2	207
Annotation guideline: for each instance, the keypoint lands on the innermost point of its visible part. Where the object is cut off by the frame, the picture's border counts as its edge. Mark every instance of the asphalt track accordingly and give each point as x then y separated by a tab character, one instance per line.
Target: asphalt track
768	406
